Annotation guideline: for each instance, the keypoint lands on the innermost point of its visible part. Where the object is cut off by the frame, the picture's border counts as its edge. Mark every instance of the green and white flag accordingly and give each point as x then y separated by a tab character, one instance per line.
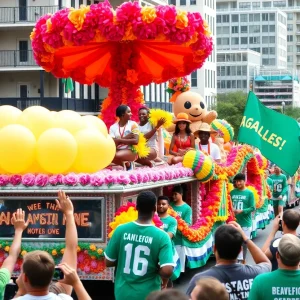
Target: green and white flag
277	136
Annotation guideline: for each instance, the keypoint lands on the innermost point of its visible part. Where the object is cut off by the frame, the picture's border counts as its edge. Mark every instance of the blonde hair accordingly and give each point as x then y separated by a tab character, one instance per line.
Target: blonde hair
211	289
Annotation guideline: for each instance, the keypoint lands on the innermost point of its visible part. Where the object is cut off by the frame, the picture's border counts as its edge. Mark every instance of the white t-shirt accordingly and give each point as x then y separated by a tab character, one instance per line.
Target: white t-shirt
115	131
152	142
214	151
50	296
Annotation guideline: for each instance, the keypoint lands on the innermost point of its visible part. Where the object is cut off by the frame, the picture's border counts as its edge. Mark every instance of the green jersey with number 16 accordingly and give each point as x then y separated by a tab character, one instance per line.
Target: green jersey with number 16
139	249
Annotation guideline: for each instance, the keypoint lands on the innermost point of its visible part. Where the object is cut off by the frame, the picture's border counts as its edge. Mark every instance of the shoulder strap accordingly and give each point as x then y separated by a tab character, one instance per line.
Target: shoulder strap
226	279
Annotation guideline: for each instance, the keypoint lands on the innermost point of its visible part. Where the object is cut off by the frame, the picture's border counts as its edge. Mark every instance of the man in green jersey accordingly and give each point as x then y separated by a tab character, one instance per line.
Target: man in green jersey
279	190
170	227
284	282
185	213
141	253
243	205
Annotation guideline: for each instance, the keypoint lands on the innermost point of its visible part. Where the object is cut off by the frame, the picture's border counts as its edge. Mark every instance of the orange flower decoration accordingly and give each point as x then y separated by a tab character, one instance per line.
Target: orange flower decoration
181	19
77	16
131	76
148	14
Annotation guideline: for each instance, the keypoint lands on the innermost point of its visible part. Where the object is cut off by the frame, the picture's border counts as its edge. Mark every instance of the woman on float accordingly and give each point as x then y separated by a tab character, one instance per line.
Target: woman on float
183	138
151	134
125	133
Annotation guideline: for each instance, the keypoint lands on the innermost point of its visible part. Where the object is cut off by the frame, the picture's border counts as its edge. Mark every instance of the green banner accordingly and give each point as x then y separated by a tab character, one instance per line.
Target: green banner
274	134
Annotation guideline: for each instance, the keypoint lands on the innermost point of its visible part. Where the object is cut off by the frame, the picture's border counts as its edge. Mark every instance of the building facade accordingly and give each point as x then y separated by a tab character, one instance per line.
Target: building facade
204	80
235	70
277	88
292	10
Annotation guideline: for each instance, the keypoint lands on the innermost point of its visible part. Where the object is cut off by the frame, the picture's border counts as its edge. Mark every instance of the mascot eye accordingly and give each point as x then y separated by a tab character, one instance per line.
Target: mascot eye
187	105
202	105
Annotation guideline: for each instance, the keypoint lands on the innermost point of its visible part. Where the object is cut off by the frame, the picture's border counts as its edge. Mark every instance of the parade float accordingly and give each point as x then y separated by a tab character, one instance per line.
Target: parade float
42	152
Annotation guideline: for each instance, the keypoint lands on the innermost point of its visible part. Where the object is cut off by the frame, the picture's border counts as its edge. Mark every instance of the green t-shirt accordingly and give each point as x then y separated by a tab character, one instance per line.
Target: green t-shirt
279	284
270	184
185	212
139	249
279	185
4	280
170	224
243	200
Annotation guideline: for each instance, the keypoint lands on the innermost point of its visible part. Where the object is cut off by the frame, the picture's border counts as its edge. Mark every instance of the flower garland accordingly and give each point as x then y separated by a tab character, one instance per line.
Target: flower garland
128	213
104	177
209	215
90	258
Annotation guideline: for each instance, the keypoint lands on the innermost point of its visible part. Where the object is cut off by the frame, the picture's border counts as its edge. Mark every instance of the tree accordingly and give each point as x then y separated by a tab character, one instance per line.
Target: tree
230	107
293	112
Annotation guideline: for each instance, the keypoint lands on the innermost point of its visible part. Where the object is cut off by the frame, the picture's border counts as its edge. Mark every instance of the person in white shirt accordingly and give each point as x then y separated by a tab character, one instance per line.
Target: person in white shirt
151	134
125	133
205	145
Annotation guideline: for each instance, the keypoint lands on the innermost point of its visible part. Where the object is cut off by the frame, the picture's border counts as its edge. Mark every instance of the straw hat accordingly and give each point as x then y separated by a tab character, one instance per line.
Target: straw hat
182	117
204	127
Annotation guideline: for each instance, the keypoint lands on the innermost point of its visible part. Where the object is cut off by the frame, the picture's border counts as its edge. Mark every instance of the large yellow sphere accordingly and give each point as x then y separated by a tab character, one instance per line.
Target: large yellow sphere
95	151
95	122
17	148
56	150
9	115
69	120
36	118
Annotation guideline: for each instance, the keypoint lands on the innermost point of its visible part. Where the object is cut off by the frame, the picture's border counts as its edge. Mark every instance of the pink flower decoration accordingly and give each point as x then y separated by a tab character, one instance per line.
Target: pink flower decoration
80	257
133	178
87	269
96	180
71	179
84	179
41	180
123	179
94	264
15	179
56	179
128	11
110	179
28	179
145	178
4	180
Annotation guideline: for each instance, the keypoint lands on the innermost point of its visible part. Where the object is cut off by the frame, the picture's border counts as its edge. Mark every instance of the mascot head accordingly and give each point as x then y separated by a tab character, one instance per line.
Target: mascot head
192	104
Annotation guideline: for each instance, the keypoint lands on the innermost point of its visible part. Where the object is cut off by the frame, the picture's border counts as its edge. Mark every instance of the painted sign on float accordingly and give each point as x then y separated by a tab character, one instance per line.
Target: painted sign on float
47	221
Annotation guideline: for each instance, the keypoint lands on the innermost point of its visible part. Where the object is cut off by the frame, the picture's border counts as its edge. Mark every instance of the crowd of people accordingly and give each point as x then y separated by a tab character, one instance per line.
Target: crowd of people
35	281
145	256
125	133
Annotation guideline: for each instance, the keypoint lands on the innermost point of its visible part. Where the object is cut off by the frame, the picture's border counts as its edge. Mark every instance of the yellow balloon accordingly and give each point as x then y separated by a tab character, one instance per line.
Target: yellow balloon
35	168
95	151
69	120
17	148
36	118
9	115
56	150
95	122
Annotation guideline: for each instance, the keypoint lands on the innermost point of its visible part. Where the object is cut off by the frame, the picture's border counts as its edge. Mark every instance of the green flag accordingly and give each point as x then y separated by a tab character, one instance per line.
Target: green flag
275	134
68	82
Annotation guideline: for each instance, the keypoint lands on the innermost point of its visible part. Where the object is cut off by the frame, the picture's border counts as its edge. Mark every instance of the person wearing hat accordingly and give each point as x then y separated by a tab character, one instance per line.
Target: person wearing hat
284	282
205	145
183	139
